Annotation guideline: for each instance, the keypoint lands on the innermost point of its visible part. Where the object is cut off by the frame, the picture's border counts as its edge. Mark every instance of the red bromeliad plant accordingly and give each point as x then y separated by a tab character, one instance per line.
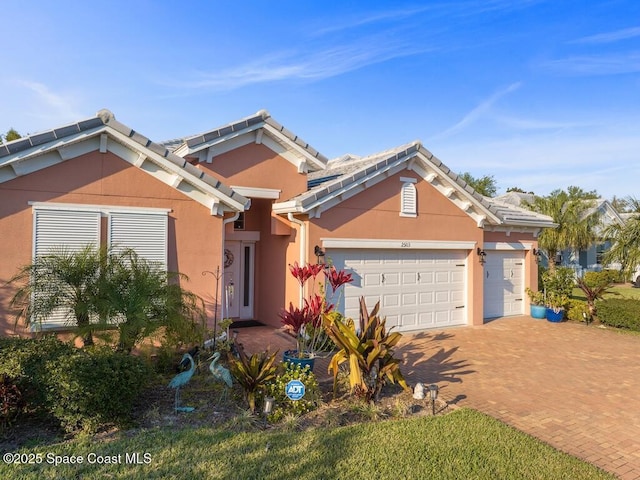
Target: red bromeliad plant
337	278
306	322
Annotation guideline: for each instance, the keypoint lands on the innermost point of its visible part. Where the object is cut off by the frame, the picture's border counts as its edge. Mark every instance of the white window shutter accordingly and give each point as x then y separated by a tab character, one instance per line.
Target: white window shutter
59	229
146	233
408	195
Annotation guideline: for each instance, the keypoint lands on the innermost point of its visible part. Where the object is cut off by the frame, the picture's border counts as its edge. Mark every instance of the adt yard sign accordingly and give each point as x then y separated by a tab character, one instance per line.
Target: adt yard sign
295	390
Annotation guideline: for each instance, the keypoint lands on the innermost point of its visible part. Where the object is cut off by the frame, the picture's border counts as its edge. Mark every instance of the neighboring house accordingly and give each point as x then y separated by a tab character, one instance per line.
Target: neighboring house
251	198
589	259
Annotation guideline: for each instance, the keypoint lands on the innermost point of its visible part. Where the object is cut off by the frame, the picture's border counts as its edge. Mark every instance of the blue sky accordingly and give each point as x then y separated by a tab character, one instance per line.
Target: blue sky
539	94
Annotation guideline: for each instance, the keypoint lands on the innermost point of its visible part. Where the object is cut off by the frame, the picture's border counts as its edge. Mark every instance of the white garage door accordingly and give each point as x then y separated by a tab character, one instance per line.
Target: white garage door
503	283
417	289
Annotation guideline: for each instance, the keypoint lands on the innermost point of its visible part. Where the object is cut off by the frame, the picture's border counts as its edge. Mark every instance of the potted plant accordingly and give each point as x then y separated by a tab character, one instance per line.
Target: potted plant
555	306
537	306
305	322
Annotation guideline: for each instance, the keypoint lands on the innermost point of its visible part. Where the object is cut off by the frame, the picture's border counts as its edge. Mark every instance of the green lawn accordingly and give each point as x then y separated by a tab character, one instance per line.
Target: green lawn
463	444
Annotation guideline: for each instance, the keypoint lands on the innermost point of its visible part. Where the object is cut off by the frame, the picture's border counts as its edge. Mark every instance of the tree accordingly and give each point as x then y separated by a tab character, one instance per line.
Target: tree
484	185
625	240
11	135
577	223
518	190
96	289
143	298
63	281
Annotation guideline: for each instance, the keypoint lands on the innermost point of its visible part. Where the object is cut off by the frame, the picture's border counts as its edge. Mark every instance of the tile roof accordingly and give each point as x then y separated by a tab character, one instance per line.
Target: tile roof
256	120
349	169
41	138
104	118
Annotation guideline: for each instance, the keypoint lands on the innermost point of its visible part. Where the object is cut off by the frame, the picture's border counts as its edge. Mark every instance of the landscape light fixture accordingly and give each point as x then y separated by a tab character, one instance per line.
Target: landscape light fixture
481	254
268	407
433	392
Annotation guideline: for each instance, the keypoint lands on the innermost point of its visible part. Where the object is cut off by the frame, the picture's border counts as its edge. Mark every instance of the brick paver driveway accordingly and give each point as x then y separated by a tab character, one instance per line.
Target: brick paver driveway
574	387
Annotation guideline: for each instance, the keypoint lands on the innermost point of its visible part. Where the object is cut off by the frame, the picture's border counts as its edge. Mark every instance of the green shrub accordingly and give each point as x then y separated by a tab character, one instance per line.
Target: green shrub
561	281
615	276
576	310
10	400
621	313
283	405
25	360
94	387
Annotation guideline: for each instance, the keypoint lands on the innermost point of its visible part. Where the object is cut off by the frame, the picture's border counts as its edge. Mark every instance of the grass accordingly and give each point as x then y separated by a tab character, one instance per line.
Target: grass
462	444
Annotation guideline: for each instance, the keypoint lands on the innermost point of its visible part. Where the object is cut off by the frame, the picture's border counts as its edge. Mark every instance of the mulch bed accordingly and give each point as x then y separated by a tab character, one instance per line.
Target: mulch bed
216	408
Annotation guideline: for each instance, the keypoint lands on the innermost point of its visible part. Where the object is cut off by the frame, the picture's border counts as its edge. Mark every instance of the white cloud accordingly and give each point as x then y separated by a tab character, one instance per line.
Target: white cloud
51	105
609	37
478	112
325	63
592	65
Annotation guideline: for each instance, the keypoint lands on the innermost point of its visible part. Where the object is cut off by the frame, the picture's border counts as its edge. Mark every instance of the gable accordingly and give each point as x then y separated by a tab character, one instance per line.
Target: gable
104	134
257	166
258	129
379	210
93	175
351	176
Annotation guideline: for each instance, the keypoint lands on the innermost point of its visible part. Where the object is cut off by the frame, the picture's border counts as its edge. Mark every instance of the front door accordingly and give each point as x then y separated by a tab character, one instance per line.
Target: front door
239	279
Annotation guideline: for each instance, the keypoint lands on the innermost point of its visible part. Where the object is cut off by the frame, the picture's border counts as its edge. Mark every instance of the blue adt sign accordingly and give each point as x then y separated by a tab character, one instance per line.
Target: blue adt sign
295	390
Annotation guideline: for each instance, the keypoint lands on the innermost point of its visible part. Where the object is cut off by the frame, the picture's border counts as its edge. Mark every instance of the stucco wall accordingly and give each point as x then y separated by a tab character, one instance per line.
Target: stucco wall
105	179
375	213
258	166
255	165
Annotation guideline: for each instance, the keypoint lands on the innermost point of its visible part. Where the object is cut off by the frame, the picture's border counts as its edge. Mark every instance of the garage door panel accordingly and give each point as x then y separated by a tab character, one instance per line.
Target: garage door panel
409	278
372	280
409	299
391	279
417	289
391	300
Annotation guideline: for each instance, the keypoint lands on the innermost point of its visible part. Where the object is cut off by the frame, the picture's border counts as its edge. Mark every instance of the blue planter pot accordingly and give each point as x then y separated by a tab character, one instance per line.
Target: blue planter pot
538	311
553	316
291	356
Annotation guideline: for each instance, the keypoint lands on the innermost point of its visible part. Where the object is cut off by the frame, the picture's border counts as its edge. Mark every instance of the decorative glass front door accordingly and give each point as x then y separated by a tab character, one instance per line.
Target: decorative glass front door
238	286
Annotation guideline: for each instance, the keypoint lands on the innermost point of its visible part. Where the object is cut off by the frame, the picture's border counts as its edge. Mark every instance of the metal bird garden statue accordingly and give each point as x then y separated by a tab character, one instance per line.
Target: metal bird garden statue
181	380
220	373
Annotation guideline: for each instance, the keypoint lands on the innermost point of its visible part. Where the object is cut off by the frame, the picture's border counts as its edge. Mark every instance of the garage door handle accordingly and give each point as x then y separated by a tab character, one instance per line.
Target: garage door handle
511	273
383	278
418	276
487	274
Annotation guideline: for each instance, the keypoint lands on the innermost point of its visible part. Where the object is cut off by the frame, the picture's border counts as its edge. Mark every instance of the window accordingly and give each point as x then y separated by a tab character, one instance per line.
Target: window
73	227
408	198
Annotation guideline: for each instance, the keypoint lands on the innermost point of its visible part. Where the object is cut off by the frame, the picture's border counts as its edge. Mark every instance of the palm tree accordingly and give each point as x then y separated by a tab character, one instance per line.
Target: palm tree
63	282
139	297
97	289
577	223
625	240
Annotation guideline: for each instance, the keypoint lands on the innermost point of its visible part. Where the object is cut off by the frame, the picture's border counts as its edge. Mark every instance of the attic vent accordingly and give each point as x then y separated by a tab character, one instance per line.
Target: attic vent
408	198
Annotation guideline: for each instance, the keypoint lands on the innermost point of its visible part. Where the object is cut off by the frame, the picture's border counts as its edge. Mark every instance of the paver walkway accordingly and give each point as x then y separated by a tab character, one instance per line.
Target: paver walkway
574	387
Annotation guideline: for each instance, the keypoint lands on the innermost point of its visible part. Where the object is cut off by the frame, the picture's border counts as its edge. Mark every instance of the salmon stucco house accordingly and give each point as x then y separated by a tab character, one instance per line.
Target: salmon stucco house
251	198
